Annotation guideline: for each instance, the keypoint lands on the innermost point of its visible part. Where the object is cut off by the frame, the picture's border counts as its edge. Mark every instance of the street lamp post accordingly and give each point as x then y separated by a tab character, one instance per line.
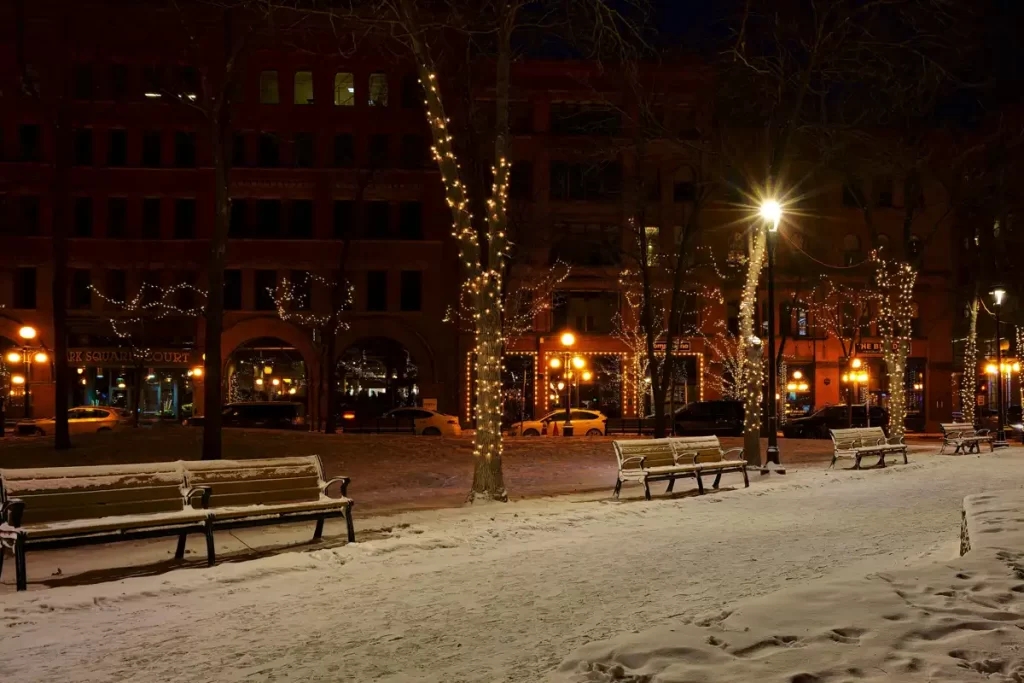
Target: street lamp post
568	363
26	357
998	294
771	212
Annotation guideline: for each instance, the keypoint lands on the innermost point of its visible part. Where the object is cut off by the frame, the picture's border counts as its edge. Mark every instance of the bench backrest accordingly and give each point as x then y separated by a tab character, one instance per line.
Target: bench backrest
656	452
257	482
948	427
707	448
858	436
57	494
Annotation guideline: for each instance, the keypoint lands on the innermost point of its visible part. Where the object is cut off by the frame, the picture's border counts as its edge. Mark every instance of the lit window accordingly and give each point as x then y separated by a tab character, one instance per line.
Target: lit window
268	88
303	87
378	90
653	243
344	89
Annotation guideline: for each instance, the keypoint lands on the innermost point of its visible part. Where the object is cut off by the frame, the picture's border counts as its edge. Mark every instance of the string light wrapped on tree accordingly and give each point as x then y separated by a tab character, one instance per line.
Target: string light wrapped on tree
895	282
969	386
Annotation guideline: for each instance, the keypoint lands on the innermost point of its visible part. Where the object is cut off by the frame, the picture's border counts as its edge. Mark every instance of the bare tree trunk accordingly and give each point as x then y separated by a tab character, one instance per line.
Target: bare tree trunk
220	142
748	308
331	384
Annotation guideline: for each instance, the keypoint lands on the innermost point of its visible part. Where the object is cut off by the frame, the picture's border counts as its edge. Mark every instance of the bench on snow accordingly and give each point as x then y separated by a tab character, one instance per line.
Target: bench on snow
70	506
647	460
865	441
964	438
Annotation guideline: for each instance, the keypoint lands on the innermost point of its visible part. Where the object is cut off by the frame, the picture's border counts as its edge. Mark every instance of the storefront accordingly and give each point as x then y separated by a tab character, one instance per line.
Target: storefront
156	382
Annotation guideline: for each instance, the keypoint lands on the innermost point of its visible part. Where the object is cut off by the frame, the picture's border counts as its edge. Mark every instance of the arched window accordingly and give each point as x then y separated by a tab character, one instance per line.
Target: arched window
851	249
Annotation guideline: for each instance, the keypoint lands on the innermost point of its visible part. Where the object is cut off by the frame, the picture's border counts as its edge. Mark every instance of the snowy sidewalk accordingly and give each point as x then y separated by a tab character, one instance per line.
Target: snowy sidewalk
498	593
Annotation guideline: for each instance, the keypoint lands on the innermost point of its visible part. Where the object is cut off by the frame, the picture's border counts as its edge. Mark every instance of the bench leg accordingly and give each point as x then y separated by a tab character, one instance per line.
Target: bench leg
2	553
700	483
905	461
319	531
671	484
647	490
20	569
718	478
211	551
179	552
856	461
833	463
618	487
348	523
881	460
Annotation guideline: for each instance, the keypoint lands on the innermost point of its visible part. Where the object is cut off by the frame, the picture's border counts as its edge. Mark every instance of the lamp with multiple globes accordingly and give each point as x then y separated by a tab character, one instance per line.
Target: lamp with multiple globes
30	353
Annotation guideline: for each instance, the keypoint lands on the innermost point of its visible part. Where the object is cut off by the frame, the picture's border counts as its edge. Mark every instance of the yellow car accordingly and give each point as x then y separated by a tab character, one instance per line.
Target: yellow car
584	423
81	420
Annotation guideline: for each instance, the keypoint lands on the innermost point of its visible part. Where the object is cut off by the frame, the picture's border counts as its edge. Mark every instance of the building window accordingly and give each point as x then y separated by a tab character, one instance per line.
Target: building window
344	219
301	219
378	90
239	151
26	216
83	217
81	291
410	221
117	147
344	89
118	81
803	326
851	250
151	149
412	93
268	218
184	150
303	87
586	244
378	152
853	195
25	288
269	151
117	217
884	191
117	287
151	218
184	219
344	150
188	81
269	93
238	225
82	147
585	311
520	117
232	290
377	227
411	290
575	118
684	191
152	82
83	82
520	180
301	290
303	156
30	147
376	290
652	237
150	290
185	297
266	290
786	319
413	151
585	181
914	247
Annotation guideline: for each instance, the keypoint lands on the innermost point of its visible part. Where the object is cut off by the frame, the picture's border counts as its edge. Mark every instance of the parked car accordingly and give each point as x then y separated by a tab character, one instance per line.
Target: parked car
723	418
584	423
259	415
81	420
817	425
426	422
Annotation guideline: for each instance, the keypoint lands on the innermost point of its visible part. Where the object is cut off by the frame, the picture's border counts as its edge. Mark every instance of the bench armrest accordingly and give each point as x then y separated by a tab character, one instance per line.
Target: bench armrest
691	456
203	491
632	458
732	450
896	441
11	511
983	432
344	481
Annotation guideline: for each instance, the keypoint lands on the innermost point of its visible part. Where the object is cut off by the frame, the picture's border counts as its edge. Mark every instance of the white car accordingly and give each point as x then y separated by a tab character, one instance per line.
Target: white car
81	420
584	423
427	422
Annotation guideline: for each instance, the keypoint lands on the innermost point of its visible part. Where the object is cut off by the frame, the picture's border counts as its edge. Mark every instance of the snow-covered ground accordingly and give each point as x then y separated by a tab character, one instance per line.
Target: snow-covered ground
506	593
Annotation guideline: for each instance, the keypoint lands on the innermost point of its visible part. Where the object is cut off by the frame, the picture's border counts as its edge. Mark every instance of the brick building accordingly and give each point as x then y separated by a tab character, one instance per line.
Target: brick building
331	174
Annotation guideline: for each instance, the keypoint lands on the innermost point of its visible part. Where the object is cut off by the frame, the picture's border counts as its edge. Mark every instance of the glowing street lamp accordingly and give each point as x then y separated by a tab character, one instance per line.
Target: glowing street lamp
578	362
13	357
27	332
771	212
40	357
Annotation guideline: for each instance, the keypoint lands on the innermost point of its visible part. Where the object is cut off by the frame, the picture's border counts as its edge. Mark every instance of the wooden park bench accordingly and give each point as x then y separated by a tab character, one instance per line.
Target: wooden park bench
865	441
647	460
244	493
67	506
964	438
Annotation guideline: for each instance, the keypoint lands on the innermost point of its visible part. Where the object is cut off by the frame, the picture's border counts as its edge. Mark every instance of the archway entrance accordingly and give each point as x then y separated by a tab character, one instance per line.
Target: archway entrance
266	369
375	375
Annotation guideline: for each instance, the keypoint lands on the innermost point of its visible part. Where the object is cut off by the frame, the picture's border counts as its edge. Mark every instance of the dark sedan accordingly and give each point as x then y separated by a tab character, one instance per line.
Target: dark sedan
816	425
